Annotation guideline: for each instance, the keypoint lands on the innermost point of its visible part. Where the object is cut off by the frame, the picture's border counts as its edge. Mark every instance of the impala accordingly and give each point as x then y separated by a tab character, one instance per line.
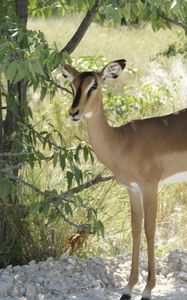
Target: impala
141	155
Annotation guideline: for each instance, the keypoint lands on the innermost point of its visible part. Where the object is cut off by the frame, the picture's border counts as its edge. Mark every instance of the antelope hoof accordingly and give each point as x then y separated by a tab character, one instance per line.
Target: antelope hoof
125	297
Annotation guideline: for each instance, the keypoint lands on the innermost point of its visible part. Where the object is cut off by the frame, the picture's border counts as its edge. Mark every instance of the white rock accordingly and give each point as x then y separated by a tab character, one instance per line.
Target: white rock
96	293
118	277
22	291
182	276
32	262
5	286
65	256
98	261
50	259
30	290
41	280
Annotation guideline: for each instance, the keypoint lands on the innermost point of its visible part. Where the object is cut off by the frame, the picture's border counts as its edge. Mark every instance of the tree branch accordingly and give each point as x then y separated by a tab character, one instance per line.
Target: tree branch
84	186
14	167
98	179
14	154
164	17
63	89
77	37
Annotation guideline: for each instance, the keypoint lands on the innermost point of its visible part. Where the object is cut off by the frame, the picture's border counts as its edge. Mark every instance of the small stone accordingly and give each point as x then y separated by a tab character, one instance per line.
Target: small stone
30	290
96	293
98	261
118	277
68	268
170	275
22	291
182	276
40	280
50	259
65	256
32	262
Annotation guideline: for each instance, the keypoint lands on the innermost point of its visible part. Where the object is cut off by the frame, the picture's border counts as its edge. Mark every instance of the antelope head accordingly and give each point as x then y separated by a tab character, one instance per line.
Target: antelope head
86	87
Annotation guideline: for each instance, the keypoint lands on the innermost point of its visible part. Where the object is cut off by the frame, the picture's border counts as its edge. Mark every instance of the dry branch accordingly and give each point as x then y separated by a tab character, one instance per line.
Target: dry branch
172	21
98	179
78	35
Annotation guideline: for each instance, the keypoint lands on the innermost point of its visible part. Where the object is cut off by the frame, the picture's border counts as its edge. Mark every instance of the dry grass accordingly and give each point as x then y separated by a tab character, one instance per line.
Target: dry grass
136	44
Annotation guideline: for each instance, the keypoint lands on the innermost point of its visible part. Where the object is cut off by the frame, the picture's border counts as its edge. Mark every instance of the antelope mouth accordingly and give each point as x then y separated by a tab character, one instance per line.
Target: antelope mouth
76	118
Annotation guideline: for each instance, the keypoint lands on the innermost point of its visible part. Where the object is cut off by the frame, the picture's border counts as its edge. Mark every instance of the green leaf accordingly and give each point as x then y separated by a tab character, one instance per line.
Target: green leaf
13	193
55	159
174	3
5	187
78	175
68	209
45	208
101	228
85	152
69	176
38	68
62	162
11	70
43	92
35	208
98	228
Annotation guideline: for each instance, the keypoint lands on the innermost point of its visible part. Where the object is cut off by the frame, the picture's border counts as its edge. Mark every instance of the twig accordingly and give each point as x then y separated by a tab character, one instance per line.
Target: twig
29	185
84	186
15	154
175	22
67	220
95	181
77	37
59	86
14	167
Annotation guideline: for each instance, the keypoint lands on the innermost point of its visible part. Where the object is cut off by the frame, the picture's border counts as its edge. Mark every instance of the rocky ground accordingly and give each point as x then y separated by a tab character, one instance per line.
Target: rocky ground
72	278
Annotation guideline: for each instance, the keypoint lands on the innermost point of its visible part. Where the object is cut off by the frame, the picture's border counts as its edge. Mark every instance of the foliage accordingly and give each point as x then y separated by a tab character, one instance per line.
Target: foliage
179	47
159	13
28	60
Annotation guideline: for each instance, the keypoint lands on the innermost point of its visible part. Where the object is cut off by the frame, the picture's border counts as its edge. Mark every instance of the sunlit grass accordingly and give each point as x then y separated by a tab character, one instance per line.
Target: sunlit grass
136	44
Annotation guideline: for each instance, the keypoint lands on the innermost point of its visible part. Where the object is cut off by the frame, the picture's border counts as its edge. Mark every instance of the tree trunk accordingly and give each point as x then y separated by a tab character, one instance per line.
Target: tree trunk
10	246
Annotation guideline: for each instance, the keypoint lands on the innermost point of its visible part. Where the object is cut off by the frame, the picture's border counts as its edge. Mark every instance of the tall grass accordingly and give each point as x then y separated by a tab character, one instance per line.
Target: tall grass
149	88
136	44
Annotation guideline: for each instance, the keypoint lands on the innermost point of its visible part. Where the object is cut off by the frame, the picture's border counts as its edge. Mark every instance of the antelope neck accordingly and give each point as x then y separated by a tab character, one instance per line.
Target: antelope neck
102	136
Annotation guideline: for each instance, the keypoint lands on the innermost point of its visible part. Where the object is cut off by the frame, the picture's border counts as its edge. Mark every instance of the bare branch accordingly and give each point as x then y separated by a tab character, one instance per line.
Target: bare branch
14	154
22	181
14	167
63	89
67	220
77	37
168	19
98	179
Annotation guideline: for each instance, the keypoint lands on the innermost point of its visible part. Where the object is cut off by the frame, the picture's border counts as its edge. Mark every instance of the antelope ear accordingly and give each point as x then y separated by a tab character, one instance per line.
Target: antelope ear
69	72
113	69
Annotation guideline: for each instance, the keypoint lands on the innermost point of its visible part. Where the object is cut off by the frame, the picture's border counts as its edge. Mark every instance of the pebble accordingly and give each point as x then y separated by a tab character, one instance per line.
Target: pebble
72	278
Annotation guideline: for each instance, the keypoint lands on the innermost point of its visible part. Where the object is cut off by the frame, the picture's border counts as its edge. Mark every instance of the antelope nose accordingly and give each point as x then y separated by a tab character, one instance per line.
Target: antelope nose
74	115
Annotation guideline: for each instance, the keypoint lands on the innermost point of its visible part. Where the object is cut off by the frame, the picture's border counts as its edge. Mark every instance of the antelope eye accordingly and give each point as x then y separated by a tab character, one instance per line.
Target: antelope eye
94	87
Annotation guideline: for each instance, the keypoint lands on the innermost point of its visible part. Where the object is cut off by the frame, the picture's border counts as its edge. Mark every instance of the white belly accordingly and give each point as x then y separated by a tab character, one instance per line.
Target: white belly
178	177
